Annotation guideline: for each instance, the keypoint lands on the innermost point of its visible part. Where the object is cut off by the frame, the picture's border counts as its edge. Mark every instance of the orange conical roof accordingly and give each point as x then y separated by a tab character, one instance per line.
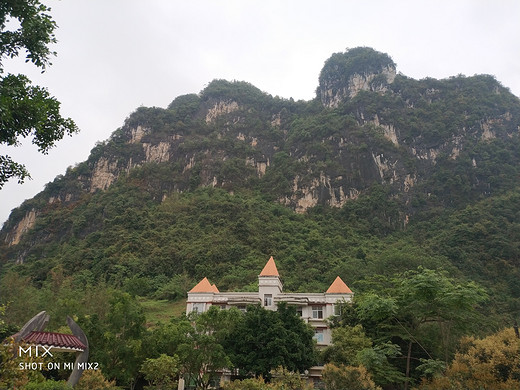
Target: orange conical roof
339	287
204	286
270	269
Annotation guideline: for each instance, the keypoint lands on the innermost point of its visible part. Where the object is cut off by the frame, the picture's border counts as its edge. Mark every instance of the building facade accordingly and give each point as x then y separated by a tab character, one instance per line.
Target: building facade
314	308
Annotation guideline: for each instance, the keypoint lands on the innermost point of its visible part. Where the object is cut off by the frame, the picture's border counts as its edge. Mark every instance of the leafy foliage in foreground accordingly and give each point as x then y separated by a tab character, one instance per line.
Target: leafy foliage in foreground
348	377
410	317
27	110
488	363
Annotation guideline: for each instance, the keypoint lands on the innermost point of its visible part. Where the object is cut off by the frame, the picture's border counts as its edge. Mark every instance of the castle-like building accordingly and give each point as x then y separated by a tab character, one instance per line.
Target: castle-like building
314	308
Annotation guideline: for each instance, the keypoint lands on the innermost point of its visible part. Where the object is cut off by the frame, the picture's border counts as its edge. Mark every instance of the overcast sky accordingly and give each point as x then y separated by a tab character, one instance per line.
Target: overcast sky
117	55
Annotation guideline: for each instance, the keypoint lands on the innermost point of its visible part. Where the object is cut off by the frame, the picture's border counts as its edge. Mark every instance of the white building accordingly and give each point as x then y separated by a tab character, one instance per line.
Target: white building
314	308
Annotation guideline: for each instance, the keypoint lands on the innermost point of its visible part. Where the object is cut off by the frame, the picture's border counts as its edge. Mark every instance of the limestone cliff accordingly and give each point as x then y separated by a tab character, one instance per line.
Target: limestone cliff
367	126
27	222
346	74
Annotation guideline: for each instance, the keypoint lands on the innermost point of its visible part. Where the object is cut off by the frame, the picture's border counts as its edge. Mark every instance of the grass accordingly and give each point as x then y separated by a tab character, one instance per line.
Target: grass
161	310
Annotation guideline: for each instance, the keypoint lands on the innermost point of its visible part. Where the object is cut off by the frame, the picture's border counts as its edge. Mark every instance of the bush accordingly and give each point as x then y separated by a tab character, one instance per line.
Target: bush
348	377
48	385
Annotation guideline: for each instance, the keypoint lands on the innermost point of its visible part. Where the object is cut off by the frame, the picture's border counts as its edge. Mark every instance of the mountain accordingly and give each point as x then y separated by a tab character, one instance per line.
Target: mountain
366	178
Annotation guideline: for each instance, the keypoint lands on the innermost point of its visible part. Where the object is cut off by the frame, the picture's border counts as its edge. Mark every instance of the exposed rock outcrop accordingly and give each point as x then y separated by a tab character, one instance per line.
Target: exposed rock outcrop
157	153
221	107
21	227
307	196
389	131
137	134
104	174
346	74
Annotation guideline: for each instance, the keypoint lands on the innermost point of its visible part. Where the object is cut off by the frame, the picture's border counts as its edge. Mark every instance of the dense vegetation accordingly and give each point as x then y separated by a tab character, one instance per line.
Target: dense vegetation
423	177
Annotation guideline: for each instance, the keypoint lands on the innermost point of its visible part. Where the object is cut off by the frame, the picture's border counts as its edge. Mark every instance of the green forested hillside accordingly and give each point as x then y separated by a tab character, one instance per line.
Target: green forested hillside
379	175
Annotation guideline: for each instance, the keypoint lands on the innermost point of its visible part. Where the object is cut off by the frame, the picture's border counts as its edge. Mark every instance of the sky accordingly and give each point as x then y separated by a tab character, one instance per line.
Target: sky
114	56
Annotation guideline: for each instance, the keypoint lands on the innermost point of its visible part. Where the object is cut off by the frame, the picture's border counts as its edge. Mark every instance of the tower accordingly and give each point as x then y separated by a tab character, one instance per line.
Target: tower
269	285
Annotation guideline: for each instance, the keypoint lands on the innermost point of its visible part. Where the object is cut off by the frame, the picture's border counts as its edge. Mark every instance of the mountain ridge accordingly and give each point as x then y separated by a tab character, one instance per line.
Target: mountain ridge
419	146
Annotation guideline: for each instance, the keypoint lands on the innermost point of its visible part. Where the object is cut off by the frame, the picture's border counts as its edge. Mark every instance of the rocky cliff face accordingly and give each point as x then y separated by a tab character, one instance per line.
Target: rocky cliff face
27	222
346	74
332	92
373	128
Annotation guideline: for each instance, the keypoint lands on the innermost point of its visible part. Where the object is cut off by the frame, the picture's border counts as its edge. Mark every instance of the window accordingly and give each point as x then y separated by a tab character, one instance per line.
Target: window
317	312
268	299
299	311
198	307
242	308
318	335
337	309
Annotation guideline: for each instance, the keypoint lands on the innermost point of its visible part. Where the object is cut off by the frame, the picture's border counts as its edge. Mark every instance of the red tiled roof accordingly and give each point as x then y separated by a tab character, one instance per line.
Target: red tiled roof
204	286
339	287
58	340
270	269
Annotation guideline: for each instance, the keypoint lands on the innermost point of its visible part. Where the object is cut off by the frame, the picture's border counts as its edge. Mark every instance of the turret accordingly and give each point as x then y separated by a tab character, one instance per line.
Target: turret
269	284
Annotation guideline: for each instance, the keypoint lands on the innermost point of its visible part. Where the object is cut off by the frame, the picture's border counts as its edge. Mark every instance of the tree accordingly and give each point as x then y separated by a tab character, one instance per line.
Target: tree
299	341
27	110
377	361
21	297
201	351
282	380
424	312
347	342
161	372
115	339
202	357
351	347
429	301
247	384
47	384
197	343
347	377
265	340
165	338
491	363
11	377
94	380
